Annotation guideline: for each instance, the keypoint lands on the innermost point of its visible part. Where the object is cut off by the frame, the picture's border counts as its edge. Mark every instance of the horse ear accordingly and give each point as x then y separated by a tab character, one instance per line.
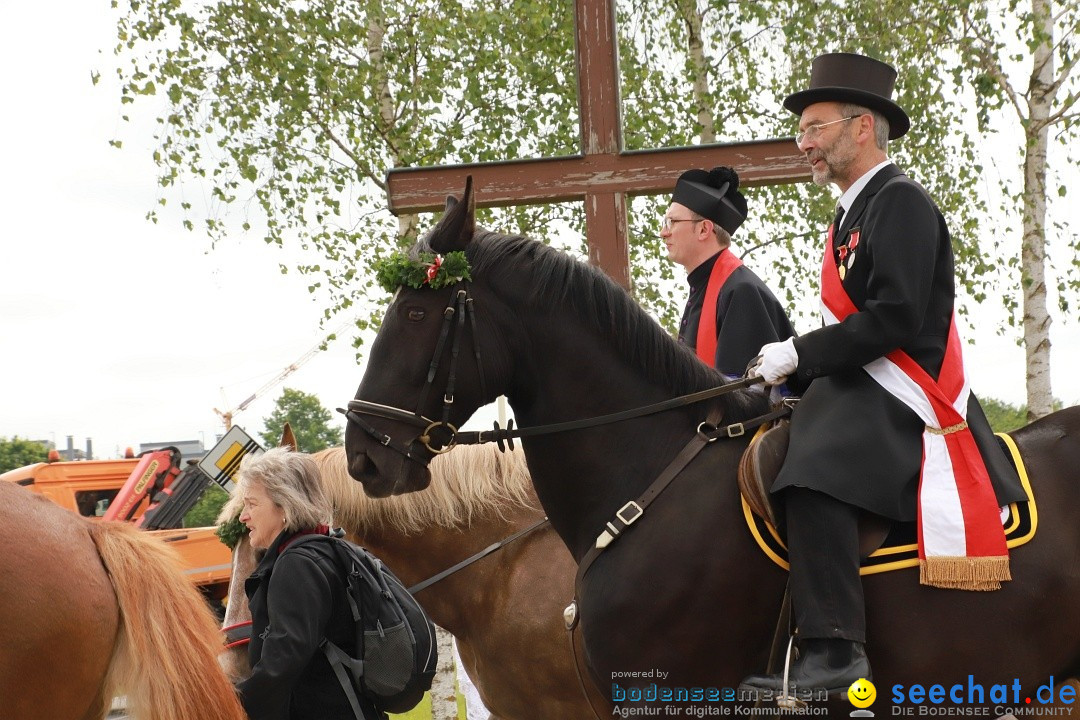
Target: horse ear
458	224
288	439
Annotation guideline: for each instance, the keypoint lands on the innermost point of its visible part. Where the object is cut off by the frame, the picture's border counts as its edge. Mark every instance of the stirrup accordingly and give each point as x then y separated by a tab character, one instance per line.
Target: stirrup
786	701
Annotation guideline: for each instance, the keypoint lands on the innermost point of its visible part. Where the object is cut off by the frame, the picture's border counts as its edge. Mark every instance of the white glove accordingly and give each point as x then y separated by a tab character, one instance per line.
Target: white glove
777	361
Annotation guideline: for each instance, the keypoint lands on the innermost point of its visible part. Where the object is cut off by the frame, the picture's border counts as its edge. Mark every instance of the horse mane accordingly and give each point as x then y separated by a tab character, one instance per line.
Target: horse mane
559	279
471	482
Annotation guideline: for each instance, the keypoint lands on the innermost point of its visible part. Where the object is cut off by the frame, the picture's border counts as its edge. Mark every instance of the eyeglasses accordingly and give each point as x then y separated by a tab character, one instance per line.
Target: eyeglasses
667	222
812	131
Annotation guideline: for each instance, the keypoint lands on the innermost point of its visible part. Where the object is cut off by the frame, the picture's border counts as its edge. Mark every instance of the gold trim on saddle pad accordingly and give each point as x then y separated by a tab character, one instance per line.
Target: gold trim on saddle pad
1020	526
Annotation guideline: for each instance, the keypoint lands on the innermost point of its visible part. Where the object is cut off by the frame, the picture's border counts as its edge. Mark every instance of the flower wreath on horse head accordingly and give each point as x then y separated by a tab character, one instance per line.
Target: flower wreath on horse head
400	269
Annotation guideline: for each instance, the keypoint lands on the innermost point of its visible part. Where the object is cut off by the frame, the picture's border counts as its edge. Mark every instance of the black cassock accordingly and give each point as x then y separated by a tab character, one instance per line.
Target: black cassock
748	316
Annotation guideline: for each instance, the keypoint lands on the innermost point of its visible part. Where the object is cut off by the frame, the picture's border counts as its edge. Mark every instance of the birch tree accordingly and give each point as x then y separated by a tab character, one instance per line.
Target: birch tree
285	116
1005	89
1023	58
288	114
965	66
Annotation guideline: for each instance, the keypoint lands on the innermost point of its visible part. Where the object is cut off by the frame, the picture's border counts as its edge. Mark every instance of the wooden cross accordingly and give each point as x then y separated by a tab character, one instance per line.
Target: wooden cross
603	174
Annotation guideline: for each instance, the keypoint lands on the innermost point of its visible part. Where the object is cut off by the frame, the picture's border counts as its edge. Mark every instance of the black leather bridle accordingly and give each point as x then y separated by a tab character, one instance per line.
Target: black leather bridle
436	436
439	436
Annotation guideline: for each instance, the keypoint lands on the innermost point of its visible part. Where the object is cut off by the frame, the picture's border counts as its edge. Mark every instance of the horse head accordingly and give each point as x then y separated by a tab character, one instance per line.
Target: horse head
429	368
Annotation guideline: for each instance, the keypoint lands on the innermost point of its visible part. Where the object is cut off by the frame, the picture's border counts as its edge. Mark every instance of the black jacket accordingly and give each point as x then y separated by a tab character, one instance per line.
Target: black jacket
850	438
748	316
297	598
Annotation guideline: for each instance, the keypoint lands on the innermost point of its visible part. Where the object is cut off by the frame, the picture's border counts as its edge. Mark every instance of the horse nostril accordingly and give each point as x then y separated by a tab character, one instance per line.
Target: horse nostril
360	465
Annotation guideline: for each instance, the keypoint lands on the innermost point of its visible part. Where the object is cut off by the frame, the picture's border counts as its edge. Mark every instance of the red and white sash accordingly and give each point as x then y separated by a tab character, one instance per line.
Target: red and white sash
705	346
961	539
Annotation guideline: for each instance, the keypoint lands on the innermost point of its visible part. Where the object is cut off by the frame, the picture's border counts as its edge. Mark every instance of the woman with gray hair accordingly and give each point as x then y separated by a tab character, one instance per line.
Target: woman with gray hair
297	595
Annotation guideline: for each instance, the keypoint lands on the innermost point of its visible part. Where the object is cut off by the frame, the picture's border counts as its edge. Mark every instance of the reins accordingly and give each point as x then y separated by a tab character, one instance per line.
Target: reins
460	306
477	556
500	435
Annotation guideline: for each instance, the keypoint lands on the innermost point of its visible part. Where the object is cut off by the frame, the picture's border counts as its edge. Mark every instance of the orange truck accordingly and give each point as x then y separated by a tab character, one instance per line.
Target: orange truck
126	490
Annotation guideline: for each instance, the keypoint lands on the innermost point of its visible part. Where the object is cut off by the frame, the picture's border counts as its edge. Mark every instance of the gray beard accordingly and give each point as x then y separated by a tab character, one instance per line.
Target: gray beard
821	178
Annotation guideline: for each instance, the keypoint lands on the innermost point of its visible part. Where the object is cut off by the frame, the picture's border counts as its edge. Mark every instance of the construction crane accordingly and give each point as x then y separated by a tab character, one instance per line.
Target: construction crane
227	415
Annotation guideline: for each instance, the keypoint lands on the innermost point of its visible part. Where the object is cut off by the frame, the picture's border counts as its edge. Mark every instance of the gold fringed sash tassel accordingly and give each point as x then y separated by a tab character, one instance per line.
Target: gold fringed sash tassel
964	573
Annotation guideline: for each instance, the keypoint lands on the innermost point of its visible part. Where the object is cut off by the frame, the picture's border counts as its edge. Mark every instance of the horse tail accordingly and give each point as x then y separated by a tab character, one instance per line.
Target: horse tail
165	659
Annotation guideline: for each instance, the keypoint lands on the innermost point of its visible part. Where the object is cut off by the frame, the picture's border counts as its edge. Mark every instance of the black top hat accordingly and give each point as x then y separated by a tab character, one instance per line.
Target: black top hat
713	194
851	78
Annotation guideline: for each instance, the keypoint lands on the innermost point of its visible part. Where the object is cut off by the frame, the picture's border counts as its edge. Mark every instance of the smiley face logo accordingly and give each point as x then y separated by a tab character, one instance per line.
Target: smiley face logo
862	693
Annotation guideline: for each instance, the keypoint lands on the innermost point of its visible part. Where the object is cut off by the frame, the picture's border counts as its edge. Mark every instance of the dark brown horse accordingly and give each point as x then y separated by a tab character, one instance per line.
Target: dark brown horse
684	593
93	609
505	610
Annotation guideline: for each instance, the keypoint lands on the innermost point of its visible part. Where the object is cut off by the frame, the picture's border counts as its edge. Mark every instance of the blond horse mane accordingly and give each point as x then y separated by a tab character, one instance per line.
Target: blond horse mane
470	482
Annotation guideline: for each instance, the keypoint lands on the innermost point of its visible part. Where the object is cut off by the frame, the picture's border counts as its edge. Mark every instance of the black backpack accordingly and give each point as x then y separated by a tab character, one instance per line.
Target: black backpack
395	639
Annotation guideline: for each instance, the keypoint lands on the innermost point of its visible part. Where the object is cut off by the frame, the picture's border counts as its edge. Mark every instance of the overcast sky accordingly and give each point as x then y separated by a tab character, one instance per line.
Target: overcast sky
115	328
126	332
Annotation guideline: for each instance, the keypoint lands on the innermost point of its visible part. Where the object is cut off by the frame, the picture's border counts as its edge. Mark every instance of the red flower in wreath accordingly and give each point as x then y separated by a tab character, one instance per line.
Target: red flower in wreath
433	268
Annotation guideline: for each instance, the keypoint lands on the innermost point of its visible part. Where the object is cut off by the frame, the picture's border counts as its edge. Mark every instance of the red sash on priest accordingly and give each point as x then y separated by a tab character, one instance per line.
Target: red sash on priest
705	346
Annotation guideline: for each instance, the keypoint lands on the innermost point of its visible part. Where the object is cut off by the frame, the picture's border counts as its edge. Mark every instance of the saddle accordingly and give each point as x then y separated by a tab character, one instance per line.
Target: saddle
758	468
884	545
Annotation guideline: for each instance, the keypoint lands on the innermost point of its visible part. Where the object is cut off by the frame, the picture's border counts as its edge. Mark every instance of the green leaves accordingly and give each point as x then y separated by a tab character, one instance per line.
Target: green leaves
310	422
293	112
18	452
231	531
436	271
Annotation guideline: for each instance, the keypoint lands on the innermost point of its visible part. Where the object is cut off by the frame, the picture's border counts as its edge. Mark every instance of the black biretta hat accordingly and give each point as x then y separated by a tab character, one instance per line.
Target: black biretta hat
713	194
851	78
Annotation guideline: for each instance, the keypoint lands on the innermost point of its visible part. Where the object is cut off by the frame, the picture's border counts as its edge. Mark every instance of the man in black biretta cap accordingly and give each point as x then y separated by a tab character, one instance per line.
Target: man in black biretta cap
857	434
730	312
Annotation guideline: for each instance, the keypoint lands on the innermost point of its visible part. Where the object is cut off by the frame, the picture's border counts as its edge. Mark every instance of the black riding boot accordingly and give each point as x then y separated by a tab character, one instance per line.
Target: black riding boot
830	664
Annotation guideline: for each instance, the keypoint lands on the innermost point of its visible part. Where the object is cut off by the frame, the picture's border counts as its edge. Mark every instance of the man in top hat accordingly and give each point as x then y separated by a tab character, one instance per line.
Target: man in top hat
886	423
730	313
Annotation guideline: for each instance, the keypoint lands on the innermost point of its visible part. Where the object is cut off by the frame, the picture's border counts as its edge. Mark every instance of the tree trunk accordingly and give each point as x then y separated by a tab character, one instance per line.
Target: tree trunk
443	687
1040	398
407	224
408	229
688	11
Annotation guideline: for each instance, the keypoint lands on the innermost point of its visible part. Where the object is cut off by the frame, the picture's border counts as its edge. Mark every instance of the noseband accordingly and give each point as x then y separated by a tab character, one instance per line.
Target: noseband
436	436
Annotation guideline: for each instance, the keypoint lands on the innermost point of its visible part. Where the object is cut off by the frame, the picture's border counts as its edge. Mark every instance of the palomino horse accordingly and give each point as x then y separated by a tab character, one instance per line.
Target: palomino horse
505	610
95	609
683	594
237	615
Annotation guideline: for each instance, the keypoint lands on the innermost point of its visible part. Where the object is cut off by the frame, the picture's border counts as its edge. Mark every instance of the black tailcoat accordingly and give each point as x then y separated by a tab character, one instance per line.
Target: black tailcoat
850	438
748	316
